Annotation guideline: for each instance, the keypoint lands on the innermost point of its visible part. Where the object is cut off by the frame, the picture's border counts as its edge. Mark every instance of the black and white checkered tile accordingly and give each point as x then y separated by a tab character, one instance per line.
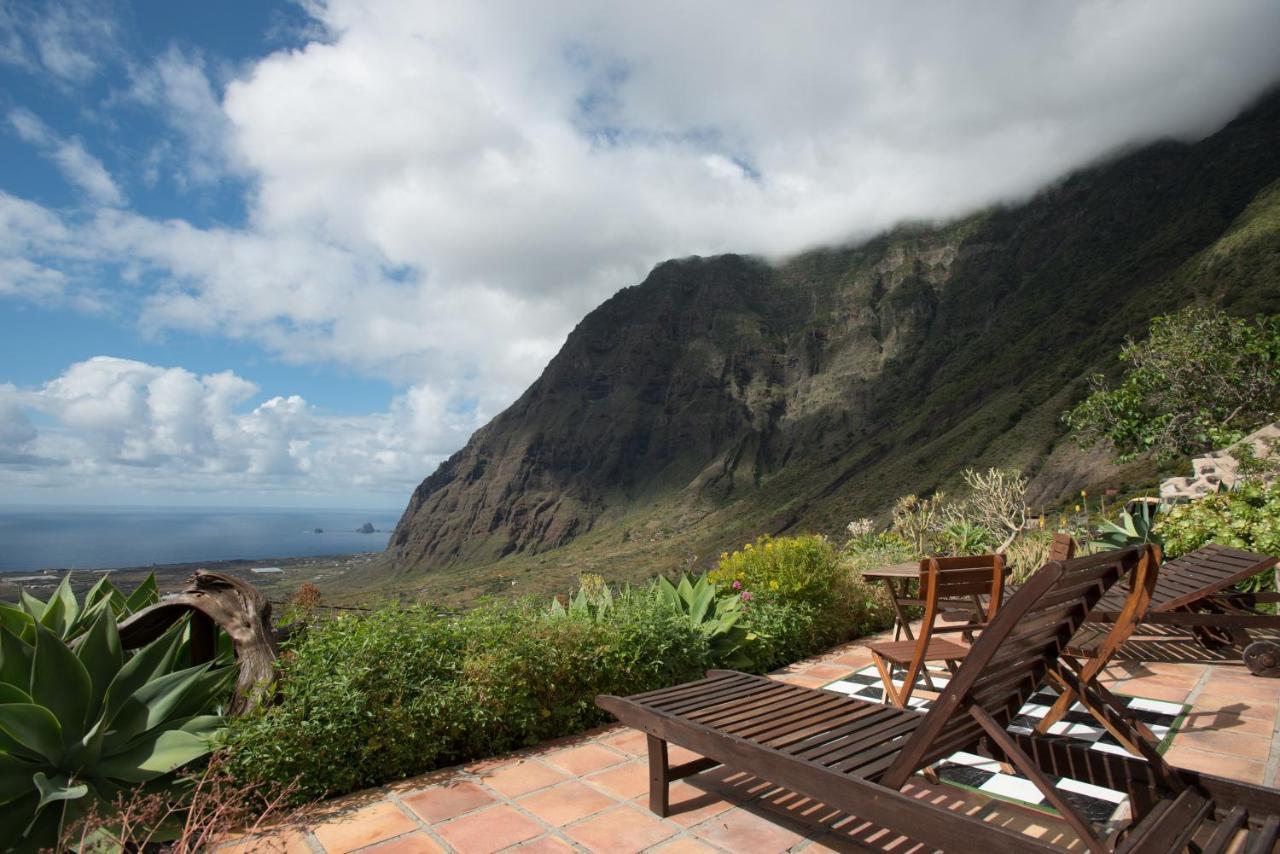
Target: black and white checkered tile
975	772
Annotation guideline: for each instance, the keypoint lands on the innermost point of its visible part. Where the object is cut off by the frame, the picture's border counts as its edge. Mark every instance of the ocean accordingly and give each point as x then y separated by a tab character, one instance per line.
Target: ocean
98	538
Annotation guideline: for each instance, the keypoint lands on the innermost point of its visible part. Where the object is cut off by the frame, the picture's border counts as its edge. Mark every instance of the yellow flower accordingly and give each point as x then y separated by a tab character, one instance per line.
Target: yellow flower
1084	494
768	546
773	585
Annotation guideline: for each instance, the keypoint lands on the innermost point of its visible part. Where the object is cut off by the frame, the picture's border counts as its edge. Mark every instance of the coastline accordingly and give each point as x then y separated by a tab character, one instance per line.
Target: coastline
171	577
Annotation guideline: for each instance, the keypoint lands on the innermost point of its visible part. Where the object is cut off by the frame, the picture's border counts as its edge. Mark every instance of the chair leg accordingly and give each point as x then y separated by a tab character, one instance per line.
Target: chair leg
659	781
886	677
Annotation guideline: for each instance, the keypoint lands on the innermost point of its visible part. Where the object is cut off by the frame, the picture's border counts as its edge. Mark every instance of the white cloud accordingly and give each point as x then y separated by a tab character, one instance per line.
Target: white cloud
79	167
65	39
127	425
178	89
436	194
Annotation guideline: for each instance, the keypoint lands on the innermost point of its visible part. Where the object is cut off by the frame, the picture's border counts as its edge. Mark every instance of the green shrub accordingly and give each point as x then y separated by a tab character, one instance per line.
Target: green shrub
1245	518
804	570
372	698
401	691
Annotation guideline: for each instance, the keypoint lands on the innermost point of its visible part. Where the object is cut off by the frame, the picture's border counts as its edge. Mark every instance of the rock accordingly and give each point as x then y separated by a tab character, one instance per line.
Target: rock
367	528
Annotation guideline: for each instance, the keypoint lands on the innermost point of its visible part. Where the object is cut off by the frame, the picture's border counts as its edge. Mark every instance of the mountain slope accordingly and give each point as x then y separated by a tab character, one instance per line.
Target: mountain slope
725	397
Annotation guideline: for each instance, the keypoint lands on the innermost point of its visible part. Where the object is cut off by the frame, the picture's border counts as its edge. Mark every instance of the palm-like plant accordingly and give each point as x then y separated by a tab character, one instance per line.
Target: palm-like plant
715	616
82	721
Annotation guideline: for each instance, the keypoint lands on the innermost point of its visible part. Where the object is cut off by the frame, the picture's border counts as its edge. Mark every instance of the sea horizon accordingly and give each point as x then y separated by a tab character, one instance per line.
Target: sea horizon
34	538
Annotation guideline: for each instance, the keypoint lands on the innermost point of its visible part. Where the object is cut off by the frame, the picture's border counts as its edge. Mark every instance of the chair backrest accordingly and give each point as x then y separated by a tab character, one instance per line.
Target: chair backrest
1011	658
1063	547
950	578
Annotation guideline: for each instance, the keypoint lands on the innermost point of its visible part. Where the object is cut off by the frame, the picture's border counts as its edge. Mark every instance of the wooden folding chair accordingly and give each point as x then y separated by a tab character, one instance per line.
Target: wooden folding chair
1063	547
942	579
856	756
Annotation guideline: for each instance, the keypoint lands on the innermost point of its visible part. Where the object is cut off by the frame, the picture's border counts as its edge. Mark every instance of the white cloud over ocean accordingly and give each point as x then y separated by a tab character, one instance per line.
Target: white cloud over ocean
435	193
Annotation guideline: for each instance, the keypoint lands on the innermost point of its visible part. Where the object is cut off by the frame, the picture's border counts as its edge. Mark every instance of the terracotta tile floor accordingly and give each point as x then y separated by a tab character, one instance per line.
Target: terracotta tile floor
589	793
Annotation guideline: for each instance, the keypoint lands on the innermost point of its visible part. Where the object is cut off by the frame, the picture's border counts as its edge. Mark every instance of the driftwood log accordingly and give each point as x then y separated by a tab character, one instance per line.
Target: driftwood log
217	601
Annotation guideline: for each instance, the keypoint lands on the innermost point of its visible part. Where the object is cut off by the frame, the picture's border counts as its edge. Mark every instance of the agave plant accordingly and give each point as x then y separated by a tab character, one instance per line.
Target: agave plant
1132	530
81	722
716	616
65	617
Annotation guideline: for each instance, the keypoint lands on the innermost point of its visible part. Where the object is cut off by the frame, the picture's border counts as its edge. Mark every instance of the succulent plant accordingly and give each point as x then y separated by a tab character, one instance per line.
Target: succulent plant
716	616
1133	530
80	720
66	617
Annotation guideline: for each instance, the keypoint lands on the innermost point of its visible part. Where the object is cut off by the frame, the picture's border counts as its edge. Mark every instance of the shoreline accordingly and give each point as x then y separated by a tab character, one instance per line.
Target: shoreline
172	577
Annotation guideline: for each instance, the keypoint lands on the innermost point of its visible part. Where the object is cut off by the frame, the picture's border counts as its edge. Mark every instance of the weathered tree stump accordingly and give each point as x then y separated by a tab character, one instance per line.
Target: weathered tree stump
216	600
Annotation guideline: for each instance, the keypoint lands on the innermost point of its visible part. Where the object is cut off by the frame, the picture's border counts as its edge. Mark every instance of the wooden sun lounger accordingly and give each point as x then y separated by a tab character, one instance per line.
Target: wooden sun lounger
856	756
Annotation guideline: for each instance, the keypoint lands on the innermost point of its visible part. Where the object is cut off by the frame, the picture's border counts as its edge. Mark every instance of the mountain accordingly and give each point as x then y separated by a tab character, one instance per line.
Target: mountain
726	397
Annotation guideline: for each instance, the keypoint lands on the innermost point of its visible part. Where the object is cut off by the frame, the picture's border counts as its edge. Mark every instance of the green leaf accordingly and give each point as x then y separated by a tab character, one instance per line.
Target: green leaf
702	599
15	619
151	705
153	659
153	756
15	777
13	694
56	789
100	652
15	659
31	605
146	593
34	727
60	683
62	609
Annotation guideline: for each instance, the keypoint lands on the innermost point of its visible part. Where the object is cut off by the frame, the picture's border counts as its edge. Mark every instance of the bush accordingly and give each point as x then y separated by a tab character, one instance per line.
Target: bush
368	699
401	691
802	596
804	570
1246	518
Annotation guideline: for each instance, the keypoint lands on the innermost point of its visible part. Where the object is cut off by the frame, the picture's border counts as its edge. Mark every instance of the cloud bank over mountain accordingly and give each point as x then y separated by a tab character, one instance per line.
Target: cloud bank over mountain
435	194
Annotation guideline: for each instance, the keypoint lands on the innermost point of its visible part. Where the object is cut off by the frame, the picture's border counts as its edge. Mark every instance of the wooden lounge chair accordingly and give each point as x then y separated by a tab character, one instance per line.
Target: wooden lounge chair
855	756
1193	591
941	579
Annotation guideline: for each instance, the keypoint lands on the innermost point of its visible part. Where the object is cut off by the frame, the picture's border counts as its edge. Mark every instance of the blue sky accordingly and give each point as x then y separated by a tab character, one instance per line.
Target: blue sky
269	253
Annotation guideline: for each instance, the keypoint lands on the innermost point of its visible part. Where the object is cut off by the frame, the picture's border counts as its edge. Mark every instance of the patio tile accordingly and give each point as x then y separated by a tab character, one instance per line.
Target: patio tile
521	778
739	830
620	830
626	781
585	759
827	671
631	741
1224	741
410	843
1229	718
363	827
545	845
684	845
677	755
565	803
691	805
447	801
488	830
1232	767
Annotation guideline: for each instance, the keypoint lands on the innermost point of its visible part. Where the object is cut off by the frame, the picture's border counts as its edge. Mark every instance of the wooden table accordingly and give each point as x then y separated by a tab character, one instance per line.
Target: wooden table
897	579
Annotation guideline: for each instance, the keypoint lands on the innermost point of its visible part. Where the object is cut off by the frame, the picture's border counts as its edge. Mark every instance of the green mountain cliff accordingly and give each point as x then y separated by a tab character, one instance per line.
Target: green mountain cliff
726	397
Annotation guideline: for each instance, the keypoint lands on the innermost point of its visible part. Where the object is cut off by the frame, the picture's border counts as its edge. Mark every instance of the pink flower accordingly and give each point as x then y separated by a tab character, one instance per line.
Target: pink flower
746	595
737	585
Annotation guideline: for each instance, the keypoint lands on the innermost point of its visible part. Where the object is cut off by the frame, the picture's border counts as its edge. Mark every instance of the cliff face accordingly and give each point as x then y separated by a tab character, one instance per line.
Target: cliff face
724	397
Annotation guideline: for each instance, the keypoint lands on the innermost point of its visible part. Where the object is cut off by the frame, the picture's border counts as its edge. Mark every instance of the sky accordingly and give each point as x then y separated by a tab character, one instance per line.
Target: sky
263	253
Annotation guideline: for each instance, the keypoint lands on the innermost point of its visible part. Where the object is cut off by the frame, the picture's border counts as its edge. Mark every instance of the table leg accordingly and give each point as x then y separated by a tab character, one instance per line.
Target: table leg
901	625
